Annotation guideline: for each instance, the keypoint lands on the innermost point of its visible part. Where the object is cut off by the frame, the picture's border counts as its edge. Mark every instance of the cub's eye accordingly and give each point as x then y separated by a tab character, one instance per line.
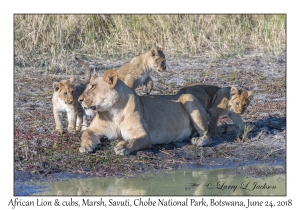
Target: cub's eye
237	103
245	105
92	87
65	93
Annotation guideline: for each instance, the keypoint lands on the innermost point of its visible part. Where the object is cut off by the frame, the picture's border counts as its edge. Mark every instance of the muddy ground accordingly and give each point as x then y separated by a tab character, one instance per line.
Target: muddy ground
38	153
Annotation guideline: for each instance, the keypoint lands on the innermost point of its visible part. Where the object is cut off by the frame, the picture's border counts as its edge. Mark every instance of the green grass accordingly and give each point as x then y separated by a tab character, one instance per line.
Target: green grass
247	129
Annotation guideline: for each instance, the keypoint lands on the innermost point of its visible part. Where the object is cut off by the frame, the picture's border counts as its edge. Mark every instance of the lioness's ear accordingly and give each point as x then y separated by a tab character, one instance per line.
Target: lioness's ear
111	77
56	86
93	77
234	91
250	94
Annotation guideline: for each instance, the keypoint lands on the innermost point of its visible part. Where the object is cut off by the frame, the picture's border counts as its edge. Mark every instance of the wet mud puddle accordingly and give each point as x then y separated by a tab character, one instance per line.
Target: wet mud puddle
197	182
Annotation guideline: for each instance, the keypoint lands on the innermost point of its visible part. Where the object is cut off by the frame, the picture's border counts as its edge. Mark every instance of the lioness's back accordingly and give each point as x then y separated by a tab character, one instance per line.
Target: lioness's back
169	115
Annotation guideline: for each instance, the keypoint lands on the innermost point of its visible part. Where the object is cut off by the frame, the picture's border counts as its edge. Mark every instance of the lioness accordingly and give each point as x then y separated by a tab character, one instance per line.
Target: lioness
218	101
65	99
139	121
137	71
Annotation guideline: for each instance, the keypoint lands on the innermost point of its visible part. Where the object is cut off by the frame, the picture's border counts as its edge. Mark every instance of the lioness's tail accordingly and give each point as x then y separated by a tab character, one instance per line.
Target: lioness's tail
87	71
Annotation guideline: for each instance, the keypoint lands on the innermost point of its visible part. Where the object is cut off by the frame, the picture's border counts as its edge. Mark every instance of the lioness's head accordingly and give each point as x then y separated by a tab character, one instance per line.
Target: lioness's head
157	58
100	94
240	99
65	90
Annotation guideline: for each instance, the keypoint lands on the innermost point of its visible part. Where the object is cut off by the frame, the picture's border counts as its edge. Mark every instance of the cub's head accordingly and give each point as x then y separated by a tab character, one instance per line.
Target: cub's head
240	99
157	58
100	94
65	90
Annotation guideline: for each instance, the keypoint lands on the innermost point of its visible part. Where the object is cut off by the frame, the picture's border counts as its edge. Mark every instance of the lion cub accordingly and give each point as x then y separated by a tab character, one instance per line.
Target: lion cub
137	71
218	101
65	99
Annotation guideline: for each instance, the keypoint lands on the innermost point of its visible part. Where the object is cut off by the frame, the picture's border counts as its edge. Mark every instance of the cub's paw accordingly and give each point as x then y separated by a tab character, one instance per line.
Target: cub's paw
213	134
220	130
58	131
71	130
202	141
83	128
241	131
121	149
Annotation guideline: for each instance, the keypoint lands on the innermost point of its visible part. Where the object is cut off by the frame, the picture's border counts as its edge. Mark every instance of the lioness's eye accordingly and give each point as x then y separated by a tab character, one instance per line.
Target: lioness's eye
237	103
245	105
65	93
93	86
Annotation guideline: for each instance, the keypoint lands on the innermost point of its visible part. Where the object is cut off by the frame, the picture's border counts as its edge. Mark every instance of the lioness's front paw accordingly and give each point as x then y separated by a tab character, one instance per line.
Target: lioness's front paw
86	148
202	141
120	149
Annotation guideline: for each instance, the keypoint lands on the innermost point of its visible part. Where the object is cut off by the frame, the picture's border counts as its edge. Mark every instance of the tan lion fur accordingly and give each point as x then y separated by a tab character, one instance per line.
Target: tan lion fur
139	121
137	71
218	101
65	99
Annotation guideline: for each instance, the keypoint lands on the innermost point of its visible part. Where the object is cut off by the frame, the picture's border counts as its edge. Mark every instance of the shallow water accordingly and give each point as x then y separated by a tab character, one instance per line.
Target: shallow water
200	182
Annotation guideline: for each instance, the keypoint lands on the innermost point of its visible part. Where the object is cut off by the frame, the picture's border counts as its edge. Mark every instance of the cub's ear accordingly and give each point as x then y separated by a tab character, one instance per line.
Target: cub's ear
250	94
111	77
234	91
56	86
72	79
154	44
154	53
159	47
